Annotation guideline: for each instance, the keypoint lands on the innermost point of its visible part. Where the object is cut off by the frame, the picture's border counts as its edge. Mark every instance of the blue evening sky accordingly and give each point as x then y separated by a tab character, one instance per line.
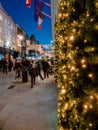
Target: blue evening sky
25	19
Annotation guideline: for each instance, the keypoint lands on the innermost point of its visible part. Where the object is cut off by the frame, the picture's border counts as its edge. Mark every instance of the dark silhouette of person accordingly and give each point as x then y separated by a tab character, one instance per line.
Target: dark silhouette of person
32	73
45	67
38	70
10	64
18	68
4	63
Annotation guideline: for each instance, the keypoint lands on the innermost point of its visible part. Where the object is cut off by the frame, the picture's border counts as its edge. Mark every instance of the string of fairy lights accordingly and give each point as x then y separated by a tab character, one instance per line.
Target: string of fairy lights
77	95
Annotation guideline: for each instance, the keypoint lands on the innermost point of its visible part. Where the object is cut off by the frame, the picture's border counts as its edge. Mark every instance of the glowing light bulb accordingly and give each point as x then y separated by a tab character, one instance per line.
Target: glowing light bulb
71	38
91	20
91	106
66	106
85	40
72	68
90	124
84	66
60	15
65	77
63	91
90	75
85	106
66	14
91	97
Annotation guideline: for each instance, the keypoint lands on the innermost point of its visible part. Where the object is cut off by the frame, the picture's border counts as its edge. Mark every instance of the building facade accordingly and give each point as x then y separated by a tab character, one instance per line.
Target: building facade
12	37
7	30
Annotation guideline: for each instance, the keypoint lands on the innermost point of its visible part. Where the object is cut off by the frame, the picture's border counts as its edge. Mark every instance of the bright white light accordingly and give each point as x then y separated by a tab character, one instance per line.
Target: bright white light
20	37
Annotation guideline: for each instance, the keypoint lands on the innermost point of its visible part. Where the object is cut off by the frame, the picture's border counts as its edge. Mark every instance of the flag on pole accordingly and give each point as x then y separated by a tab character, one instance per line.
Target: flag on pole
38	8
40	19
28	3
38	14
49	5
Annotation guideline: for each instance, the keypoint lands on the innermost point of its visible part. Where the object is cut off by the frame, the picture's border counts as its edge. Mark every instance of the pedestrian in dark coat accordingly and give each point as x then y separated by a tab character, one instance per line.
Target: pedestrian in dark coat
18	68
38	70
32	73
45	68
5	65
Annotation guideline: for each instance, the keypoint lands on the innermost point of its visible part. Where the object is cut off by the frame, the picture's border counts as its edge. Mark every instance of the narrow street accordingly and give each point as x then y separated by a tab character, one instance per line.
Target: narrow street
26	108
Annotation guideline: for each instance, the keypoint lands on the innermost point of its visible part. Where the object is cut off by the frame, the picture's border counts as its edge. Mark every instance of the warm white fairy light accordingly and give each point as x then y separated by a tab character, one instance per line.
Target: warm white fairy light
74	30
87	14
90	75
71	38
73	68
84	66
60	15
91	97
66	106
86	106
85	41
92	20
83	60
91	106
92	49
76	116
90	124
63	91
66	15
82	22
65	77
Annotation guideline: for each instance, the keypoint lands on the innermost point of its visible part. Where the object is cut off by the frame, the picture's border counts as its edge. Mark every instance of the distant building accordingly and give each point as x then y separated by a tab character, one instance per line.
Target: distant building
7	30
11	35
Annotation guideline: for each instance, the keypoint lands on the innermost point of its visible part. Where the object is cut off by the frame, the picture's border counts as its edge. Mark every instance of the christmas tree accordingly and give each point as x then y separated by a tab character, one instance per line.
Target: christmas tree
76	42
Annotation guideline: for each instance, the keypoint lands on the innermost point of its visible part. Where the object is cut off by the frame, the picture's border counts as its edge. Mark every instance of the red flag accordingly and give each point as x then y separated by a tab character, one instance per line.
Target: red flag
40	19
28	6
28	3
38	27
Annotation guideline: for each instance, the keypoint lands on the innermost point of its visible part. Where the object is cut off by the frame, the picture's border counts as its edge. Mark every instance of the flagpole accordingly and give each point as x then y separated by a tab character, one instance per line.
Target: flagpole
46	14
46	3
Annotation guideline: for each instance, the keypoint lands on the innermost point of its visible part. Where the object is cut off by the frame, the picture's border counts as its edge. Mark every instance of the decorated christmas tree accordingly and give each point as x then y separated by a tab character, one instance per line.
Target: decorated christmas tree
76	39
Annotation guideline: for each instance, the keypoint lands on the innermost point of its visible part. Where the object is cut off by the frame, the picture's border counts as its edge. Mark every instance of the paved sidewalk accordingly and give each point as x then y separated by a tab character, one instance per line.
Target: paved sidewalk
26	108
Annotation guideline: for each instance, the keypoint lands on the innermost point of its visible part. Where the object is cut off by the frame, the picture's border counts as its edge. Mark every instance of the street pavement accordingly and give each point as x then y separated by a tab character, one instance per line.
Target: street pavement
26	108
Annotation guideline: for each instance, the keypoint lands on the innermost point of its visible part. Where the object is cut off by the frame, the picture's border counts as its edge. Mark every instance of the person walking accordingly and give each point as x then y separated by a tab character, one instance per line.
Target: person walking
5	65
45	67
18	68
38	70
32	73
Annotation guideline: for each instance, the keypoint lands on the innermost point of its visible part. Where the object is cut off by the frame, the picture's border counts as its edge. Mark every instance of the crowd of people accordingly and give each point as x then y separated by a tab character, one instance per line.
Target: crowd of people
33	68
6	65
